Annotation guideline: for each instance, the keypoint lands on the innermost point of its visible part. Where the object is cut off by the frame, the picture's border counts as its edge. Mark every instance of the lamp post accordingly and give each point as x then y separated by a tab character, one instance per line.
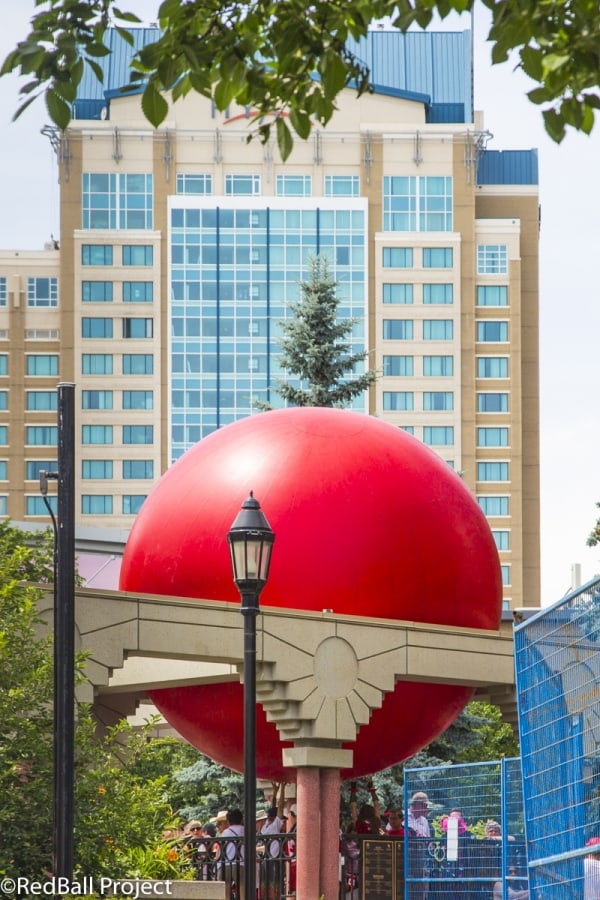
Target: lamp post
250	542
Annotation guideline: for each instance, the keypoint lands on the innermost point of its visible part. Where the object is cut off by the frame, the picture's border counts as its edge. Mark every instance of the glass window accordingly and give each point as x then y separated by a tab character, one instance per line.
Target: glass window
96	399
42	291
492	295
505	570
294	186
99	200
438	366
398	329
492	437
3	291
398	365
142	469
399	203
138	364
397	257
3	470
96	327
398	400
138	328
132	503
422	203
39	400
96	255
435	203
96	364
494	505
438	435
4	400
135	201
492	332
41	435
438	400
41	364
97	291
438	257
397	293
492	402
138	434
96	434
96	468
138	254
111	200
242	185
502	539
492	366
33	467
194	184
35	506
4	435
441	294
492	471
438	329
4	364
492	259
342	186
138	292
96	504
409	429
138	399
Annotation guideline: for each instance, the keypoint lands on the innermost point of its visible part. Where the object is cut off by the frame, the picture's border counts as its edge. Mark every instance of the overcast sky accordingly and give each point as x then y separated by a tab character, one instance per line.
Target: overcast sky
569	275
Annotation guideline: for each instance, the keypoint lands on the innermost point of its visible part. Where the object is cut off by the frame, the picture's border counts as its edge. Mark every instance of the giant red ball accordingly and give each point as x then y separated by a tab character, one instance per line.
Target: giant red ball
368	521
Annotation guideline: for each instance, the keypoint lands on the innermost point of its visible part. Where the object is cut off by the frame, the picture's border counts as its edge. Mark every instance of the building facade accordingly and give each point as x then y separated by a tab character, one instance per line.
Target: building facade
181	247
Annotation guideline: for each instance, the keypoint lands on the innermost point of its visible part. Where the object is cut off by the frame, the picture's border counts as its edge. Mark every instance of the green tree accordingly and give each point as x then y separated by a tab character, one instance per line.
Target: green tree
264	54
594	535
315	346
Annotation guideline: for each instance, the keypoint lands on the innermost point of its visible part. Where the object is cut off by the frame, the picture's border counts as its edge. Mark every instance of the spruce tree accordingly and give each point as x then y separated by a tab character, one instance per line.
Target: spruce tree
315	346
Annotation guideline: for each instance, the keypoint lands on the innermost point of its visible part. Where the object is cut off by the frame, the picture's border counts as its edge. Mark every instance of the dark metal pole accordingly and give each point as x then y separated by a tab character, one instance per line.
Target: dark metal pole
64	639
250	612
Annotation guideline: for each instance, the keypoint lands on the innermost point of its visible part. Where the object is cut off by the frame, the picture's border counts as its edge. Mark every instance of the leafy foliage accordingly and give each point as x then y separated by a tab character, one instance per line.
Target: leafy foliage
594	535
264	54
315	346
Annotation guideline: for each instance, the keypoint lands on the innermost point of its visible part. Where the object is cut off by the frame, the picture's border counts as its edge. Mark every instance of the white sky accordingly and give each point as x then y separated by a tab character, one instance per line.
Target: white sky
569	274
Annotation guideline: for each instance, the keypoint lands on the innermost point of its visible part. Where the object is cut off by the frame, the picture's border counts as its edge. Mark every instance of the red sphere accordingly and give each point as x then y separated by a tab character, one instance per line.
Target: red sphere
368	521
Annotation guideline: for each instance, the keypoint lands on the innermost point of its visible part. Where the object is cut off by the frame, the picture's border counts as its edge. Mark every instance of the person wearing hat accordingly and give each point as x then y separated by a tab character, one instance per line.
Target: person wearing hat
418	809
591	869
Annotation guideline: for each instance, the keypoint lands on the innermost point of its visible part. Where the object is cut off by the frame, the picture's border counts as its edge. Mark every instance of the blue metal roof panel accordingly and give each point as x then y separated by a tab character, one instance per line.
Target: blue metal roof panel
508	167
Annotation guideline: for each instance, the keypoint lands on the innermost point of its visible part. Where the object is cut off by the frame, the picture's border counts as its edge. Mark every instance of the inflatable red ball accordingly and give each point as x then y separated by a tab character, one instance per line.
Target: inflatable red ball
368	521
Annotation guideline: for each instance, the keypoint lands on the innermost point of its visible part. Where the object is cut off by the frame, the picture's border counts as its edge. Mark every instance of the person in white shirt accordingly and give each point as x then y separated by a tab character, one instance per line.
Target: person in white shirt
417	814
233	855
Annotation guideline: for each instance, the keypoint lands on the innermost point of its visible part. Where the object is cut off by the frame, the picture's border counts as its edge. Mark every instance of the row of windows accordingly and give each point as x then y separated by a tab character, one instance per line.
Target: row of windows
488	331
91	504
117	201
491	260
46	365
47	435
103	255
132	469
129	399
443	366
97	327
443	294
432	258
41	291
417	203
442	401
285	185
103	291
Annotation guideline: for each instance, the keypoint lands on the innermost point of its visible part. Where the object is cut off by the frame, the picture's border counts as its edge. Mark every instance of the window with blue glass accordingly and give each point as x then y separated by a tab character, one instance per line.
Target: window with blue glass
438	257
422	203
4	400
138	434
100	469
398	400
3	505
442	294
189	183
492	259
438	435
4	435
242	185
41	364
442	401
35	506
438	329
505	570
96	364
138	328
39	400
501	538
96	255
492	471
138	364
138	254
92	327
138	469
96	399
97	291
96	504
397	257
33	467
398	329
342	186
4	364
293	186
438	366
492	366
492	295
42	291
494	505
41	435
132	503
117	201
138	399
3	470
138	292
397	293
96	434
398	365
409	429
3	291
399	203
491	436
492	332
492	402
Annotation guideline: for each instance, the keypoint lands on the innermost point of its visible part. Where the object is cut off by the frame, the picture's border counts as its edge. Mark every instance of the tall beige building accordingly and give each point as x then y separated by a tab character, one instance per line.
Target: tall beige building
181	247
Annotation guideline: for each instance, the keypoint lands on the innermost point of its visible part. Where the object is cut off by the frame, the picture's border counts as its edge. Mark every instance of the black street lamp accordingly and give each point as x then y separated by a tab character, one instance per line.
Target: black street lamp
250	542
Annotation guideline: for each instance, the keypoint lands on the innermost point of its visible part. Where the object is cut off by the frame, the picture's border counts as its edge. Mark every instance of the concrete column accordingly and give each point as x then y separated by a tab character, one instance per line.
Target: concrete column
308	803
330	834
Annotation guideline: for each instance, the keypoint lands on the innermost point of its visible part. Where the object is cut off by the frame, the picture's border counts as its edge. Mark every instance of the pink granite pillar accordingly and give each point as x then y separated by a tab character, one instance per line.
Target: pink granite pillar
308	803
330	834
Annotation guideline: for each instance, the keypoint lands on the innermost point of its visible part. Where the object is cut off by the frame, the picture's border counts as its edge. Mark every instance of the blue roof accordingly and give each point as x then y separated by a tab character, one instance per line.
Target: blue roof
508	167
433	68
